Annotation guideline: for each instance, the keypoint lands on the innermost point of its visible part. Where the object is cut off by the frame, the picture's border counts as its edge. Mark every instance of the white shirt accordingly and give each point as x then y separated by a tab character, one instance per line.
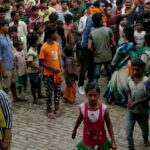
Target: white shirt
139	38
93	115
82	24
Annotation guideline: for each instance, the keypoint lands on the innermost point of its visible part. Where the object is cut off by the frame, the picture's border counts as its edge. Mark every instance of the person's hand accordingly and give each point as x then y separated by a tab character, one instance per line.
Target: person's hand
113	146
5	145
74	134
130	103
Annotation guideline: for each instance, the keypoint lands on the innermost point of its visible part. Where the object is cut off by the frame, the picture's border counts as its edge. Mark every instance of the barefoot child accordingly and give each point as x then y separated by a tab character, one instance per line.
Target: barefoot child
20	63
50	59
70	75
94	114
33	66
137	103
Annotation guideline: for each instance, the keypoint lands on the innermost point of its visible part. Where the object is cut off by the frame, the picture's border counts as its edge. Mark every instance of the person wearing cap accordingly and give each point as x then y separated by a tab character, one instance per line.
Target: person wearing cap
7	72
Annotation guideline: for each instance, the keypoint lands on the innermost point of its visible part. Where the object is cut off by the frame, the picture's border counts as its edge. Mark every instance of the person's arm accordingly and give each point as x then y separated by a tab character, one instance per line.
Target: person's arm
147	98
131	10
78	122
2	69
49	67
110	130
7	111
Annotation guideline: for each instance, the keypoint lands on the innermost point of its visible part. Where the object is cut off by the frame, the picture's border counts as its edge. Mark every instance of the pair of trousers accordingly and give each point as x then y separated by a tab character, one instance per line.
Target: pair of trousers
52	87
97	70
142	120
87	64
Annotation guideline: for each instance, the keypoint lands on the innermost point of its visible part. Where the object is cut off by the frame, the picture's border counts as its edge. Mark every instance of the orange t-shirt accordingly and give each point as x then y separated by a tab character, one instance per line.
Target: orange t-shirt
50	54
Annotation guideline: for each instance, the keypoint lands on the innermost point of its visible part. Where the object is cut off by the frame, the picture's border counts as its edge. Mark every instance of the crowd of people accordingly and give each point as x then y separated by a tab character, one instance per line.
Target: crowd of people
49	40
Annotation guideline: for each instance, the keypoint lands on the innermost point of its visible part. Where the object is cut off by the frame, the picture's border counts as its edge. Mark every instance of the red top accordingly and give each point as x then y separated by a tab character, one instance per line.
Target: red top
93	132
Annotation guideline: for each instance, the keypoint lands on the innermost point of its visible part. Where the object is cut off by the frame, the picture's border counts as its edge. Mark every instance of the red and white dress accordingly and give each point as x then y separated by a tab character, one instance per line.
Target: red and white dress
94	133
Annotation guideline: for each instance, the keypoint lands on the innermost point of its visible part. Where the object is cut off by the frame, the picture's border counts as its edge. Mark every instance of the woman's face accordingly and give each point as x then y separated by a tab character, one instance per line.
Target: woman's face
93	97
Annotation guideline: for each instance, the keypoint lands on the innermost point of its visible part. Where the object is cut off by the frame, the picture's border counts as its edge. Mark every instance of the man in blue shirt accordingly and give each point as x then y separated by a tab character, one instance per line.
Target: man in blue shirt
7	73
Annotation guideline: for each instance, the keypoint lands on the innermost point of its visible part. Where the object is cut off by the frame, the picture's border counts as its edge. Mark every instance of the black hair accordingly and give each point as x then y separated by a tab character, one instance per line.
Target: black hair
13	13
32	38
64	1
43	1
2	9
138	63
129	33
147	3
97	19
68	17
68	50
3	22
119	2
147	39
96	4
16	43
18	5
91	86
12	29
53	17
49	31
37	27
109	5
34	8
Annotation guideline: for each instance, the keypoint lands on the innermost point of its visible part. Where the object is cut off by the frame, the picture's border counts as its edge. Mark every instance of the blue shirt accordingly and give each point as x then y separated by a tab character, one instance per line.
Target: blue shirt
87	31
6	52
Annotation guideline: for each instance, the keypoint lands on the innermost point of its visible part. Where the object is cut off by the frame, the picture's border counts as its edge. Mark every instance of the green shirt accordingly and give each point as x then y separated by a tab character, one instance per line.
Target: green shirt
137	92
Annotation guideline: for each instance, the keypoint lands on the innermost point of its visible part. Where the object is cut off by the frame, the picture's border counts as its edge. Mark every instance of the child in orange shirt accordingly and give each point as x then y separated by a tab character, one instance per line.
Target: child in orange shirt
50	59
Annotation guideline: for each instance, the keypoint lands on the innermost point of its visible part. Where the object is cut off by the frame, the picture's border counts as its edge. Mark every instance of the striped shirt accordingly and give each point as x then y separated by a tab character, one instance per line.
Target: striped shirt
6	107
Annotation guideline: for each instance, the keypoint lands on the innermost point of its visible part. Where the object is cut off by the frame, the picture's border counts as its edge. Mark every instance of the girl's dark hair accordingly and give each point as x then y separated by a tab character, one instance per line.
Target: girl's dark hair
68	17
97	19
49	31
138	63
68	50
147	39
32	38
129	33
91	86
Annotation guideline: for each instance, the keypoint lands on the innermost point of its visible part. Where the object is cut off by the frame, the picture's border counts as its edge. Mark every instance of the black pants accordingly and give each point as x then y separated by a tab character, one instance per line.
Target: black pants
50	88
87	64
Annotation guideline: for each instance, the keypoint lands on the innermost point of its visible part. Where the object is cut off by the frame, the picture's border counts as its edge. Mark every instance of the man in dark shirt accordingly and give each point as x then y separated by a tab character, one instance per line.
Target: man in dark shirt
145	17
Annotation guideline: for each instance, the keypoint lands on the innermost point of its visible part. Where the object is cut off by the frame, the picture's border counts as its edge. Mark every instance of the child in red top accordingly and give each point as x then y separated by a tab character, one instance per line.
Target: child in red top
94	114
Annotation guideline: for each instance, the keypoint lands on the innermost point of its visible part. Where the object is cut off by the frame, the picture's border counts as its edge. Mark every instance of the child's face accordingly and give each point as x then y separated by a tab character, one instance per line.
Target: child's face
4	28
55	36
14	35
137	71
93	97
20	47
139	26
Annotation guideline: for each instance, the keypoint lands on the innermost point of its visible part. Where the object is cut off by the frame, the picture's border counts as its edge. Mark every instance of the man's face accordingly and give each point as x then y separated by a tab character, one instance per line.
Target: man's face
102	7
128	4
108	11
4	28
147	9
21	10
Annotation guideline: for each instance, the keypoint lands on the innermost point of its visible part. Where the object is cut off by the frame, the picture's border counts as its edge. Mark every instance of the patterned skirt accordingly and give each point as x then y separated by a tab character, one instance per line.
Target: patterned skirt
116	90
